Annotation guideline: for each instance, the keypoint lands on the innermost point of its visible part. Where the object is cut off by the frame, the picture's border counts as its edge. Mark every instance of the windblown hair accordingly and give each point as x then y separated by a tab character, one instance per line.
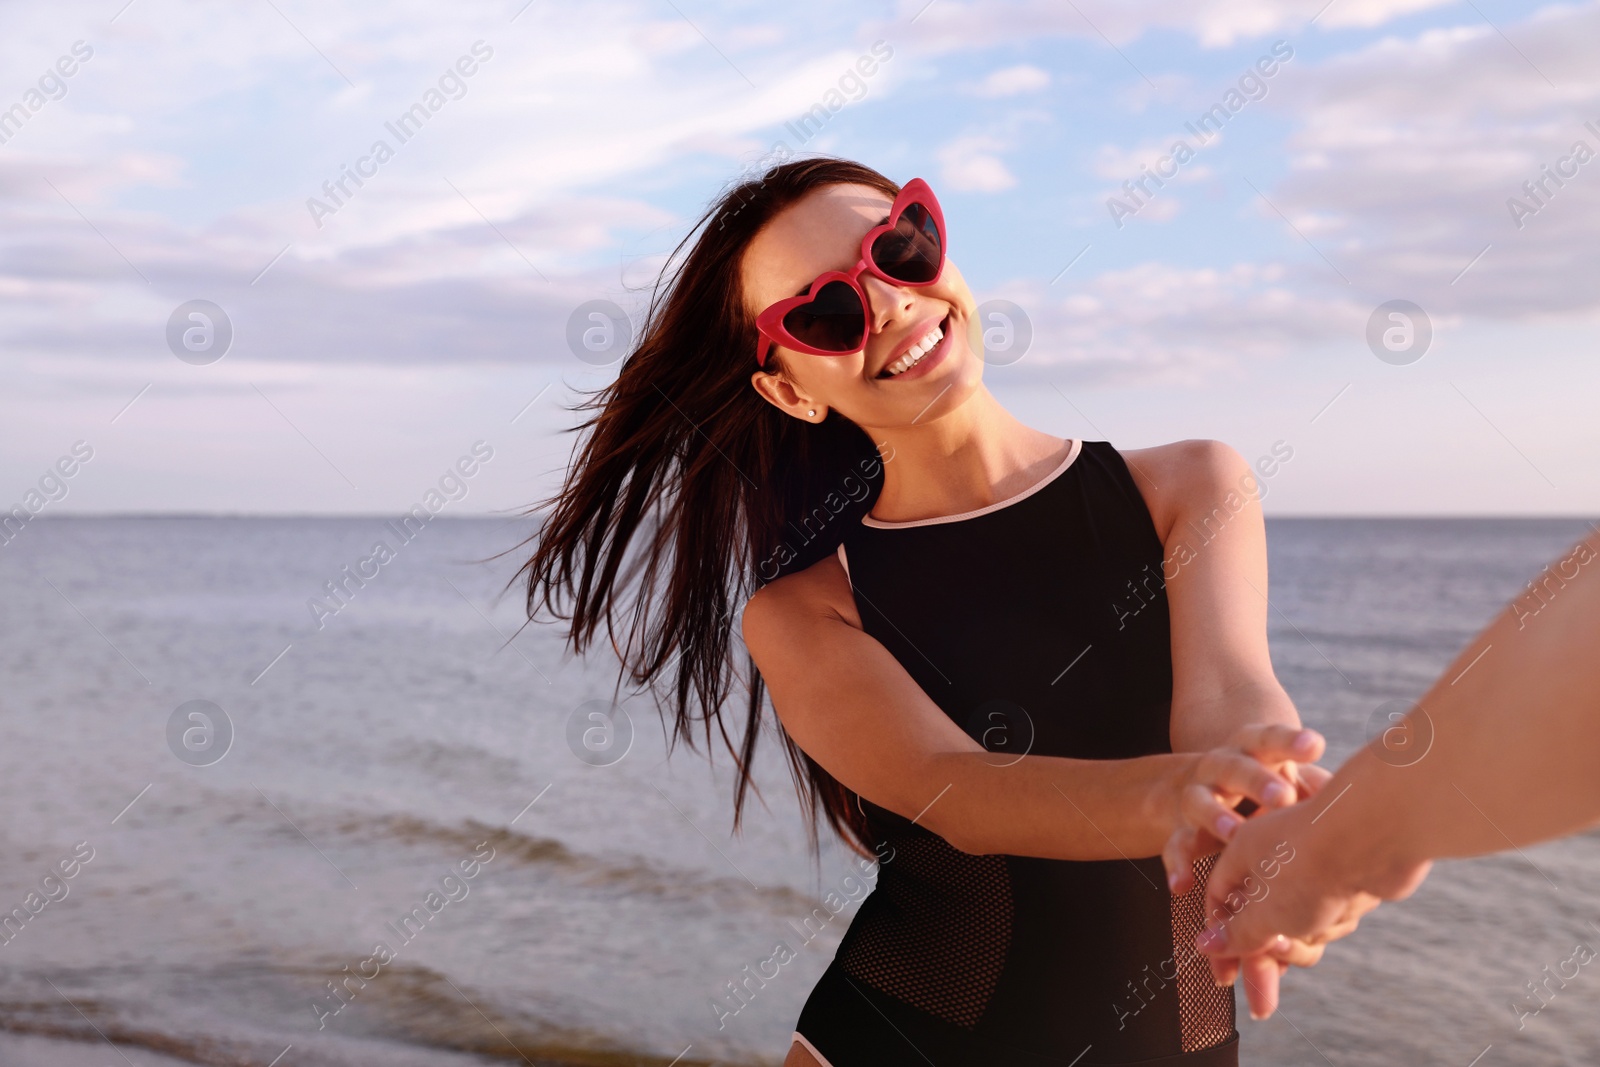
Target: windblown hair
688	490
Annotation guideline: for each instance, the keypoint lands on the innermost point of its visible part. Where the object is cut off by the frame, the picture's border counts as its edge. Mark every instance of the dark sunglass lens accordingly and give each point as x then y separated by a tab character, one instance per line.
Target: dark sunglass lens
913	250
834	320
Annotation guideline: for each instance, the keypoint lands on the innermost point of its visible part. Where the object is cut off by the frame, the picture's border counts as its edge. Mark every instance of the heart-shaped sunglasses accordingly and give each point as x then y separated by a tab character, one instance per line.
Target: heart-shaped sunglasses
830	318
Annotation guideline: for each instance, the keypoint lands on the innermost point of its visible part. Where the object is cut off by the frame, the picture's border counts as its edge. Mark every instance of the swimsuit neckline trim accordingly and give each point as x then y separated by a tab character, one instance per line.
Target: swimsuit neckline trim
1061	468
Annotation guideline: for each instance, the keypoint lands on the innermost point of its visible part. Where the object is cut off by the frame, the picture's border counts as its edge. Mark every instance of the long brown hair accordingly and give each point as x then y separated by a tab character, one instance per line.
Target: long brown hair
728	491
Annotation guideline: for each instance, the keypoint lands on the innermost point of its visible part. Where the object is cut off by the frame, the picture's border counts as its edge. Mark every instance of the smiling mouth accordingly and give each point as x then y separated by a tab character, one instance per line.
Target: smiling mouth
917	352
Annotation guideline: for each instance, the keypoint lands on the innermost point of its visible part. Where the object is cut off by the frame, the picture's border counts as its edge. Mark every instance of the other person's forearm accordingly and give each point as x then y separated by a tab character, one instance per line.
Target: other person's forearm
1515	750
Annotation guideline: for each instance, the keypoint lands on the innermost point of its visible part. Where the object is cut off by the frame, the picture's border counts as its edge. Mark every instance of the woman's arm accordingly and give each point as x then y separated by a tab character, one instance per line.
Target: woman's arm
1203	500
853	708
1515	729
872	727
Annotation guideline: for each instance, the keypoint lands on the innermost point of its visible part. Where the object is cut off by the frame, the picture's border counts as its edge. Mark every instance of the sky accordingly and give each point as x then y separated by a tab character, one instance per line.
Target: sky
1381	255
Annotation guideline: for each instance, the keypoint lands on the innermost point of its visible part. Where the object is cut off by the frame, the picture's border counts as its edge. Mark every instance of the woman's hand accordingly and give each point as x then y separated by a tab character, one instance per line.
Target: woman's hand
1197	838
1263	763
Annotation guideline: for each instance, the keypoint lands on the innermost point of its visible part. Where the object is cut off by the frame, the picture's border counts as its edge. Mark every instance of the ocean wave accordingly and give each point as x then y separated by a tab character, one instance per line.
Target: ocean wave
632	875
621	873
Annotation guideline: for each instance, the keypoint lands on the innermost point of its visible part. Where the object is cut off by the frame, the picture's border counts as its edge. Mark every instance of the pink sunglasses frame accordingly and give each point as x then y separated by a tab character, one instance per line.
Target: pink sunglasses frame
770	322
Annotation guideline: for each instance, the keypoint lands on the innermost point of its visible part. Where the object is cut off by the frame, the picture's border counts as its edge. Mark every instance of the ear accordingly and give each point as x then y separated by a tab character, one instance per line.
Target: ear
781	394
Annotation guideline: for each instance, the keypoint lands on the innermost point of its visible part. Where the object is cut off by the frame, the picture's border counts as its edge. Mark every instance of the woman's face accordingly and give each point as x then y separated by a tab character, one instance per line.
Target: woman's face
822	232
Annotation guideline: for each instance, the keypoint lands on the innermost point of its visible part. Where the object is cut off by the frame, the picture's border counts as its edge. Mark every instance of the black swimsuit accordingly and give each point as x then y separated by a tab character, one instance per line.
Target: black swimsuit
1040	625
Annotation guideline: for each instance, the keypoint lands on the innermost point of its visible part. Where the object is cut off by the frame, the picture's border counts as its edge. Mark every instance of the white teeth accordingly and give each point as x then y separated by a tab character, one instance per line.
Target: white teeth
915	353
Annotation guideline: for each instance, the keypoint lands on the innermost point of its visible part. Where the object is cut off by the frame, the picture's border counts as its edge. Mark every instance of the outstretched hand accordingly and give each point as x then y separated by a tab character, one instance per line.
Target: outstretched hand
1276	883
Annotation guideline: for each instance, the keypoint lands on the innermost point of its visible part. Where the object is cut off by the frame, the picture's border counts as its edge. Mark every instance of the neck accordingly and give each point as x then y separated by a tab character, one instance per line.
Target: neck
975	455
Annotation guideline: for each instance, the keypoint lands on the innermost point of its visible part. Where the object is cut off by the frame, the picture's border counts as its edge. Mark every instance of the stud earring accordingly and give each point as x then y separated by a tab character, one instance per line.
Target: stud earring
812	412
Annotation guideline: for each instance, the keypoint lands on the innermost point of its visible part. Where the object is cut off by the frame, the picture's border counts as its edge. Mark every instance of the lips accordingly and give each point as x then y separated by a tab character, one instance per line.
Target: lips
927	339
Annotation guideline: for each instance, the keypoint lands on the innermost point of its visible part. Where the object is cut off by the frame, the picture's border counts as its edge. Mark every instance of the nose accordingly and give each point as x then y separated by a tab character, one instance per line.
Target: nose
889	303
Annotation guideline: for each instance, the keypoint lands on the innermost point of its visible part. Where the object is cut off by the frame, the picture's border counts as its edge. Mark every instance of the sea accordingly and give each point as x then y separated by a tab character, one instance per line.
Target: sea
405	828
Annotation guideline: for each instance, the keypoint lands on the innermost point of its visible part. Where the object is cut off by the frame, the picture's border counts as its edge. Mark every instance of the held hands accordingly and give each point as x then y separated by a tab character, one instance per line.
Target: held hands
1271	766
1283	878
1265	763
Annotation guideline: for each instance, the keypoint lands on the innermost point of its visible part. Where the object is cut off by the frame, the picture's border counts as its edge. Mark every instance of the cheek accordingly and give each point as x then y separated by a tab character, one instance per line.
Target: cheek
952	289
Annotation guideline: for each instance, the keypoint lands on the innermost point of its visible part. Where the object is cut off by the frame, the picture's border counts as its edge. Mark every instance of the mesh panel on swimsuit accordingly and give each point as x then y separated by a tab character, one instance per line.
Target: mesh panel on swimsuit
948	915
1205	1009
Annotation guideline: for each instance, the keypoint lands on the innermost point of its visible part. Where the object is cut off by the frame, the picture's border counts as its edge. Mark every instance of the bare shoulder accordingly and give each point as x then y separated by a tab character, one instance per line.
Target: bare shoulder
820	592
1180	478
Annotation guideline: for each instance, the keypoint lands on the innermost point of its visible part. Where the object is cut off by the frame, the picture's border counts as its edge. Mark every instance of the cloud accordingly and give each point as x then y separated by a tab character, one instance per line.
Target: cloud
1408	191
201	176
1403	188
1213	23
1158	324
1119	164
461	292
970	164
1013	81
1402	185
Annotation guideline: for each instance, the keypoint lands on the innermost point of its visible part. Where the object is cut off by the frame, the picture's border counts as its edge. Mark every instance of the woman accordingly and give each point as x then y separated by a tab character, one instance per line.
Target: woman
1004	663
